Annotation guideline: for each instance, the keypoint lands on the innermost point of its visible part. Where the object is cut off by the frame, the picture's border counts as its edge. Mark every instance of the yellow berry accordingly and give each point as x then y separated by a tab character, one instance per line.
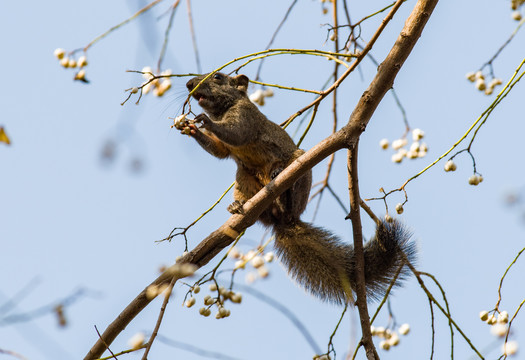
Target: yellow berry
394	339
480	84
384	144
404	329
399	208
82	61
190	302
268	92
236	298
223	311
268	257
498	330
471	76
473	180
384	345
484	315
398	157
450	166
417	134
208	300
136	341
263	271
64	62
59	53
257	262
152	291
503	317
510	348
479	75
411	154
399	143
81	75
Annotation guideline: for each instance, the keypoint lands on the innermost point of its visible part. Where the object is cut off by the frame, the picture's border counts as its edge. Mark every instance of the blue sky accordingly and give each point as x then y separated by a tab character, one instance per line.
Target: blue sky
69	221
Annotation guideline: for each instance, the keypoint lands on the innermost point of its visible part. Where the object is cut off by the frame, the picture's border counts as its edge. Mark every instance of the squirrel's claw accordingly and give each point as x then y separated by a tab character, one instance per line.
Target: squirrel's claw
236	207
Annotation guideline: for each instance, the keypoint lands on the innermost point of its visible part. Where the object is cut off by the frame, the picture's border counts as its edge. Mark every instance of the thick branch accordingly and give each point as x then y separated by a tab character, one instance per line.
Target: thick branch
219	239
357	232
364	110
345	137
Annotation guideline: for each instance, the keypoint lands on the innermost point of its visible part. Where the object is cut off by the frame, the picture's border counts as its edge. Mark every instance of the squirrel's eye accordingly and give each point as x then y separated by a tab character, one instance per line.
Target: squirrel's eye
217	76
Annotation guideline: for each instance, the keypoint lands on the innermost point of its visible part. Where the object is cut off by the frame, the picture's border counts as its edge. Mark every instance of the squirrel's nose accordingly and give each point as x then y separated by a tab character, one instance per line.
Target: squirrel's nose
190	84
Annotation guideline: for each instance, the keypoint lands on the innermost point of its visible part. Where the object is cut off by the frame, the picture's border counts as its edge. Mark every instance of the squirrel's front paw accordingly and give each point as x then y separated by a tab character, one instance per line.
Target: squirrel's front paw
236	207
203	119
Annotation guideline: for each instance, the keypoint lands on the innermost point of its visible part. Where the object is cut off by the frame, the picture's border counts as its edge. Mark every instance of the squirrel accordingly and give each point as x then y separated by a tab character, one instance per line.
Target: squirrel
233	127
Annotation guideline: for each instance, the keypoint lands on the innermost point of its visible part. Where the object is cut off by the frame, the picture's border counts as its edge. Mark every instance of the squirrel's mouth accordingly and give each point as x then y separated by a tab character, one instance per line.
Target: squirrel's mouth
200	98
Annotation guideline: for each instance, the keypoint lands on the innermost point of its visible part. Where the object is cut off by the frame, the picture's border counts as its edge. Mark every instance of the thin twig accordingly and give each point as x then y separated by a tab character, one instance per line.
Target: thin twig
258	73
166	35
193	37
107	345
113	28
167	295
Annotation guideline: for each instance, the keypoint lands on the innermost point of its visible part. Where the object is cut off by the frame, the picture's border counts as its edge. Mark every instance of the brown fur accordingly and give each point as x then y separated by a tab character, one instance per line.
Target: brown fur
234	127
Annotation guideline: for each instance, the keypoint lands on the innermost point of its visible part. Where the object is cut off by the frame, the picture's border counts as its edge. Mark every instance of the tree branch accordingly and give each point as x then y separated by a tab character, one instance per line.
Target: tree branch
357	232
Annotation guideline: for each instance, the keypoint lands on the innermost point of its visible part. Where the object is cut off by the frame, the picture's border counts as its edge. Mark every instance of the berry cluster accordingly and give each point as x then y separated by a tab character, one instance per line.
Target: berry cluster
515	5
219	300
69	62
183	124
416	150
499	328
389	337
474	180
157	86
479	82
255	259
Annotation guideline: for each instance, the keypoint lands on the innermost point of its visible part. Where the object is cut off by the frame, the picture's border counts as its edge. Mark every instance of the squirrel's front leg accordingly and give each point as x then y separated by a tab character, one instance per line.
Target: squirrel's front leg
209	142
222	129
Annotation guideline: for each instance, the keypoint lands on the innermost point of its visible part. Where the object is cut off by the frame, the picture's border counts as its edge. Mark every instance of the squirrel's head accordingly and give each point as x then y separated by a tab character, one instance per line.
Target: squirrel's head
218	92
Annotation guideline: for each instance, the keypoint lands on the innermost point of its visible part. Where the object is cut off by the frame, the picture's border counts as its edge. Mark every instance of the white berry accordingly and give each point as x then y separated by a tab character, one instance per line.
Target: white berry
450	166
503	317
399	208
484	315
404	329
59	53
473	180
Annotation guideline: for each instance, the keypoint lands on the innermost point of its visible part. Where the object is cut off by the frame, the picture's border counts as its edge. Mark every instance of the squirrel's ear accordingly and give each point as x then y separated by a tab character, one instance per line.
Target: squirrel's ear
242	82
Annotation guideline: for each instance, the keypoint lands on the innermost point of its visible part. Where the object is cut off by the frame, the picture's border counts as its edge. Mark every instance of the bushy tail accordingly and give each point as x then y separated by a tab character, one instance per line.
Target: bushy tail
326	267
